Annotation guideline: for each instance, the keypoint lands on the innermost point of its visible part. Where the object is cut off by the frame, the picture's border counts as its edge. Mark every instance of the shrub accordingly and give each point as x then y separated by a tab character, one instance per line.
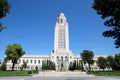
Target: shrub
30	72
21	68
36	68
3	66
35	71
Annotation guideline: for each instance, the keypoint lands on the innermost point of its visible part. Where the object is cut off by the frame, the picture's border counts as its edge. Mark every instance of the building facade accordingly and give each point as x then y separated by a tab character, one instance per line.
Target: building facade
61	55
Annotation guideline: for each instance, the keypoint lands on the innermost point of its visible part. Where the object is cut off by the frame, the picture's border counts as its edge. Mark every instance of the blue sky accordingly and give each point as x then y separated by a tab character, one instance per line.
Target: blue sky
31	23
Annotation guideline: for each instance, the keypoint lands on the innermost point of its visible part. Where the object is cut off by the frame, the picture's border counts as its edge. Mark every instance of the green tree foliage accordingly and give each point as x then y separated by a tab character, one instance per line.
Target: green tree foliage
87	57
110	11
0	61
36	68
13	53
117	61
21	68
3	66
48	65
24	65
110	62
2	27
81	65
76	65
4	10
71	66
102	63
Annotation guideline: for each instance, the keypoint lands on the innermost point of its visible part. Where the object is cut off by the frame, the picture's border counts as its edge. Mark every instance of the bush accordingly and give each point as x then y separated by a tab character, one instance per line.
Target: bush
48	65
35	71
36	68
3	66
21	68
30	72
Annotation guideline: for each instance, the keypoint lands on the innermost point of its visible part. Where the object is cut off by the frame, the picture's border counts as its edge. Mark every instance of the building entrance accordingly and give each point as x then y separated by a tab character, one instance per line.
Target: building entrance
63	66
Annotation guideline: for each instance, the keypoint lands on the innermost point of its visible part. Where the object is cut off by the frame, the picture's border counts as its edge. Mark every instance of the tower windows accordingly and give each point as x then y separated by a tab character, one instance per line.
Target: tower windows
61	39
61	20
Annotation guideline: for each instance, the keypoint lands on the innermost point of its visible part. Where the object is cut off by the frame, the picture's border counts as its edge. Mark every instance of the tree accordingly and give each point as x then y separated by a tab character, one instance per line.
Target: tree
117	61
48	65
77	65
102	63
87	57
3	66
74	65
13	53
110	62
4	10
110	11
0	61
2	27
24	65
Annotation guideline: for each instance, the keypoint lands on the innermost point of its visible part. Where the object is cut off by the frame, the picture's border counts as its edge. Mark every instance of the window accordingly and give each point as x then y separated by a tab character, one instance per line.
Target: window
23	61
61	39
61	20
38	61
30	61
66	58
35	61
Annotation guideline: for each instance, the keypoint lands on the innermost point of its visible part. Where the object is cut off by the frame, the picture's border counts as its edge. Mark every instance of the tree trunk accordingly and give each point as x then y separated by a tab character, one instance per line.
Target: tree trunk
103	69
89	67
13	66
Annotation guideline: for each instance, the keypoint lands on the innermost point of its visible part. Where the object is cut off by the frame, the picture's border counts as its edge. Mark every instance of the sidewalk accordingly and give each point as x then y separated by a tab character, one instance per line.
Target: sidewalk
53	73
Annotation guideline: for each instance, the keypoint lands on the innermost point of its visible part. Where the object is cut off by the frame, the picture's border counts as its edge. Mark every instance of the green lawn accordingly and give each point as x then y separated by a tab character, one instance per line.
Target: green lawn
14	73
106	73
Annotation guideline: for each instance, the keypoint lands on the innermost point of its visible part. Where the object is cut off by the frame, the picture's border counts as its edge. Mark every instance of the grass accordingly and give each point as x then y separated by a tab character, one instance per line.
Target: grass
105	73
14	73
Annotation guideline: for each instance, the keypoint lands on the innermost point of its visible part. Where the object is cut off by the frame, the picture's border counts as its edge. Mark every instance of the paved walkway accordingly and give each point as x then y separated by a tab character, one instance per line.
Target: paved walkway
63	77
60	76
53	73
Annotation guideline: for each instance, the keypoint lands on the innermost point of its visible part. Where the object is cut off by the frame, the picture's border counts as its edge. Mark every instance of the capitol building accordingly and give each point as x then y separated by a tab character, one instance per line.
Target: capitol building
61	55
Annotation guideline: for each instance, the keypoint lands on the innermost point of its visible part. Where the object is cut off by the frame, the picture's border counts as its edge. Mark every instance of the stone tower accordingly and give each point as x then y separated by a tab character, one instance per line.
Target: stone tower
61	55
61	39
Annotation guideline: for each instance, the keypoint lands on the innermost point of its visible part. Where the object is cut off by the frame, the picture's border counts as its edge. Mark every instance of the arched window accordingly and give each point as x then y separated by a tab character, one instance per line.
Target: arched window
34	61
66	58
61	20
38	61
